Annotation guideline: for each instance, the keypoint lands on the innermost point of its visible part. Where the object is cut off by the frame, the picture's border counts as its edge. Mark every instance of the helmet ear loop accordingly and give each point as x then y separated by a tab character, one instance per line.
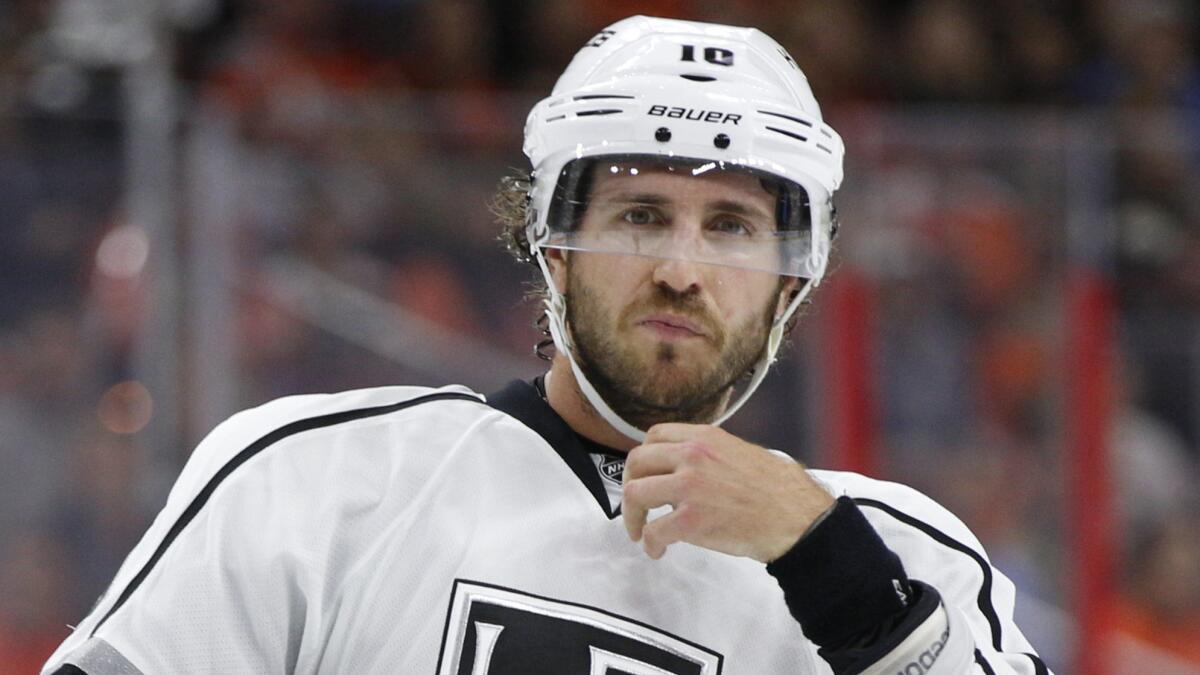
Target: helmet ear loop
787	317
554	302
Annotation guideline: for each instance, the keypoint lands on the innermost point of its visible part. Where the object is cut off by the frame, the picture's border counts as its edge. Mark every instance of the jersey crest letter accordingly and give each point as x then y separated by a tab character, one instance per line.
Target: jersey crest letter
499	631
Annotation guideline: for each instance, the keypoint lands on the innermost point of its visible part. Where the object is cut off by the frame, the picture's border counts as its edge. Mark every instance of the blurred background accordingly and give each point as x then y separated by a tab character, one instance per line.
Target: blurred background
206	204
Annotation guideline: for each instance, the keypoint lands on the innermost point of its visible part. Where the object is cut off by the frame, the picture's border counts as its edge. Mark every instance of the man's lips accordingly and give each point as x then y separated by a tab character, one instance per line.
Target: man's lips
669	325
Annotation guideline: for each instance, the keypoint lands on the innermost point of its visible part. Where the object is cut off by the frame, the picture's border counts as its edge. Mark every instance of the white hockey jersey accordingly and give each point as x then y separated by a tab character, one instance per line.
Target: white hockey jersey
412	530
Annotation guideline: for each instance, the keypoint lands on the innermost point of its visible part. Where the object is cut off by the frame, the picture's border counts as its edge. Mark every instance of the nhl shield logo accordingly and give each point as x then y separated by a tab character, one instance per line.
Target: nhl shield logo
612	468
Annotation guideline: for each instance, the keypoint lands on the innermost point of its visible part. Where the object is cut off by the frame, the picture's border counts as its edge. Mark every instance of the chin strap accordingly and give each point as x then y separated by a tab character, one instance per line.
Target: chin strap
556	316
558	332
774	342
556	320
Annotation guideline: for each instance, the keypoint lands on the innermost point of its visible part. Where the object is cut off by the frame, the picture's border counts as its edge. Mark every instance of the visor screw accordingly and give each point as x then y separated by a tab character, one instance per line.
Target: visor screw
662	135
721	141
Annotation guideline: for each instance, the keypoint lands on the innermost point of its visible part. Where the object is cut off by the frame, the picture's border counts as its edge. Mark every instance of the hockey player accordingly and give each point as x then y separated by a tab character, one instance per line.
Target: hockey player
597	520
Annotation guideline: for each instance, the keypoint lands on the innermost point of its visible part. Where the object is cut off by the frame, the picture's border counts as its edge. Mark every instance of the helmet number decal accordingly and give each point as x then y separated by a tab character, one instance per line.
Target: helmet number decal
600	38
714	55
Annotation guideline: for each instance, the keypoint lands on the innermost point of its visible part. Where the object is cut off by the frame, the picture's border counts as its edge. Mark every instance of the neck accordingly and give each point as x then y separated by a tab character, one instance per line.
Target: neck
565	397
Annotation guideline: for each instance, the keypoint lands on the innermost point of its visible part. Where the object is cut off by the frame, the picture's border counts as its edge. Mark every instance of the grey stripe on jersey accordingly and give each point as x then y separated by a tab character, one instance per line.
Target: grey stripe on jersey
97	657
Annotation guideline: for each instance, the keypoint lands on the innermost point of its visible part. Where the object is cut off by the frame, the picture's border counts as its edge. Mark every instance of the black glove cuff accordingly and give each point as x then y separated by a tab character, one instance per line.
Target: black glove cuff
840	579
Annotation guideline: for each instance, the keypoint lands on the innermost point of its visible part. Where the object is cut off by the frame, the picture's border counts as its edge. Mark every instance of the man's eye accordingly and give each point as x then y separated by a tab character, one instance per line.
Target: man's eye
732	226
640	216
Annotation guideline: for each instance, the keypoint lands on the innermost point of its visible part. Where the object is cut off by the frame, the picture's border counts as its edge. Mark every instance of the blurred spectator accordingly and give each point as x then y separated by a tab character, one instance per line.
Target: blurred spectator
1044	54
1155	475
1161	593
1012	384
444	56
1000	490
269	341
555	32
949	53
35	597
841	47
283	68
429	284
982	232
41	374
101	518
1158	232
1149	55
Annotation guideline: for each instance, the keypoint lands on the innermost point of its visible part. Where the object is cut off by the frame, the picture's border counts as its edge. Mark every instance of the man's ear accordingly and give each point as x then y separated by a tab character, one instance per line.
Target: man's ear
788	290
556	260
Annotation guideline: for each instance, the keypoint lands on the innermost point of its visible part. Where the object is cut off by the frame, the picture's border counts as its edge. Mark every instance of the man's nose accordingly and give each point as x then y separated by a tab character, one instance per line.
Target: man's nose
678	268
681	276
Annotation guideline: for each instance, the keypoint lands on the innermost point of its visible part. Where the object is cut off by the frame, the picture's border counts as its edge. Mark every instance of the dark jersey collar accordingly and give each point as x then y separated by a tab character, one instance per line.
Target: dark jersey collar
523	400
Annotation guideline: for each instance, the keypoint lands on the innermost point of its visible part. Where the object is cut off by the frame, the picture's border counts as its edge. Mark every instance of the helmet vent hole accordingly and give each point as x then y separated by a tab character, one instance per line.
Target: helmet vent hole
721	141
662	134
698	78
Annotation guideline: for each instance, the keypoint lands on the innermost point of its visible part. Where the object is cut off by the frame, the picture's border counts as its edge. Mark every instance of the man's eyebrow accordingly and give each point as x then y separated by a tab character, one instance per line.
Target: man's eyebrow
635	198
738	208
651	199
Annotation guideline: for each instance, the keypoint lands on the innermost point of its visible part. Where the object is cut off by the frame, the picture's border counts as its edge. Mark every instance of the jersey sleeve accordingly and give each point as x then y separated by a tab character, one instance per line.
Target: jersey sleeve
895	583
233	574
973	627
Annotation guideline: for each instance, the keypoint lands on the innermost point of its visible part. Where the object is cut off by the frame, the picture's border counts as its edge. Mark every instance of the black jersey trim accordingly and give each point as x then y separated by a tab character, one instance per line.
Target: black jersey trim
250	451
600	610
523	401
984	599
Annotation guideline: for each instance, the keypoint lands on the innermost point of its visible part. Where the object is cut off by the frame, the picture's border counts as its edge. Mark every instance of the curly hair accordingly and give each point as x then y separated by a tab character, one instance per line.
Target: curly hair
510	205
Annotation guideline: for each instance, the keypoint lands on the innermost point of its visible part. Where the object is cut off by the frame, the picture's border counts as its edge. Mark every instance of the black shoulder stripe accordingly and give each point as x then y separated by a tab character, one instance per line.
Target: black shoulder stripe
983	663
251	450
985	589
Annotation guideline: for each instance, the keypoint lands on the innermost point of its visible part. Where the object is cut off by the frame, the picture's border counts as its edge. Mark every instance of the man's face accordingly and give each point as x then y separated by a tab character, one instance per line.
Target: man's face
661	338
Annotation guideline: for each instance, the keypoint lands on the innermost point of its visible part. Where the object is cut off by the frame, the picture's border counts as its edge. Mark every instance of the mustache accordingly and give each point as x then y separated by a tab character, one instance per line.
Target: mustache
686	304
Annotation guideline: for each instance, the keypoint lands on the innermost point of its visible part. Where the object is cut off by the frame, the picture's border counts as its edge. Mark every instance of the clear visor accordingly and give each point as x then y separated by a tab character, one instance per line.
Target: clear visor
701	211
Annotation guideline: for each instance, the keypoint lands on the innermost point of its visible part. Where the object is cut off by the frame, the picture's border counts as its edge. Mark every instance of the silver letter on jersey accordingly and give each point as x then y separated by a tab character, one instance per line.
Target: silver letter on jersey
486	635
603	661
491	630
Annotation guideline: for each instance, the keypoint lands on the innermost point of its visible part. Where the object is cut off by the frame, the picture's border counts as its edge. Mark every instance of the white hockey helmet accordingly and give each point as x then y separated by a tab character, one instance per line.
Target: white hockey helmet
687	96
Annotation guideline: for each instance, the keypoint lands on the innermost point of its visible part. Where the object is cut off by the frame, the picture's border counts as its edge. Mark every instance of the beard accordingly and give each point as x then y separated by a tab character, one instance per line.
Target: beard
664	383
